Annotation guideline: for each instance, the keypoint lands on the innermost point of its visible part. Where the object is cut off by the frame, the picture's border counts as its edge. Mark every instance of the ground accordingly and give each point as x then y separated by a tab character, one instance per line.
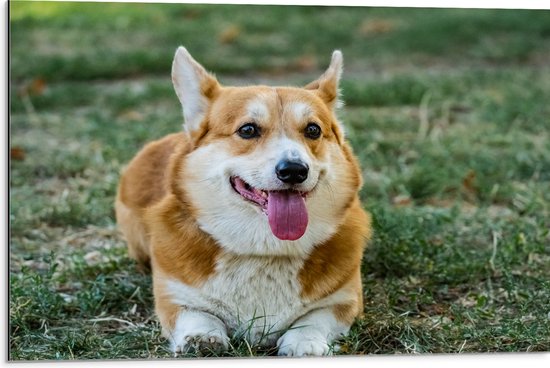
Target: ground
446	109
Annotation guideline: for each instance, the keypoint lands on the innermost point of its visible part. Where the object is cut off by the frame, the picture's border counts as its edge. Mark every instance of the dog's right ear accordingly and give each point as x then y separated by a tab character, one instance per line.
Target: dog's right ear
195	87
326	86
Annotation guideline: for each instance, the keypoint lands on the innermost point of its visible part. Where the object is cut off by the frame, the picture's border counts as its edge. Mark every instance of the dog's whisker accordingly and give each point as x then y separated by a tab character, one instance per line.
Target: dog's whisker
211	179
330	190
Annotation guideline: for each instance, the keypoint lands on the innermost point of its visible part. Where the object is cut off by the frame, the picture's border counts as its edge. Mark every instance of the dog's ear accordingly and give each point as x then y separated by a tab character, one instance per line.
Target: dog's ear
326	86
195	87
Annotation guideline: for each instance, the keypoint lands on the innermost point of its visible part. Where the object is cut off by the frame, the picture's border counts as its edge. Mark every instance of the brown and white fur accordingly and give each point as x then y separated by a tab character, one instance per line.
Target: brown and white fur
218	270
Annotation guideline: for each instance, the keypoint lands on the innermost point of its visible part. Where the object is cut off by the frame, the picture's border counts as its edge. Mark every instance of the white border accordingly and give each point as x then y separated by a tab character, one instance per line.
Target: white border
532	360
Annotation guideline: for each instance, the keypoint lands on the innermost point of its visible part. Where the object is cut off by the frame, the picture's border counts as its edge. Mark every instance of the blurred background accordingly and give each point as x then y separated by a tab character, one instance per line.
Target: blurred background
447	109
83	41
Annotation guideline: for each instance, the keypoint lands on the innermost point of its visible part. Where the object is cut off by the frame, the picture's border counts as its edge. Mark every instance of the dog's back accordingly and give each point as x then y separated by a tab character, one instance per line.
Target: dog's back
144	182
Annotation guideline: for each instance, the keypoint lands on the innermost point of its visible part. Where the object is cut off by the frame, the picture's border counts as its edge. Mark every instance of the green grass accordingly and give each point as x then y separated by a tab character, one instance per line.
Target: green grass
446	109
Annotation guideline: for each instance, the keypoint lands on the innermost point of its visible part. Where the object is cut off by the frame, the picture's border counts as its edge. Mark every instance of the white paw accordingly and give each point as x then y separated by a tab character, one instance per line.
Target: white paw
202	343
303	343
199	333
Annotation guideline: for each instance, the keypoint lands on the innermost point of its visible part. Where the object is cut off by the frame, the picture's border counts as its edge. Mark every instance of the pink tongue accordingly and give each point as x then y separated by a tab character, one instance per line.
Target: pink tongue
287	214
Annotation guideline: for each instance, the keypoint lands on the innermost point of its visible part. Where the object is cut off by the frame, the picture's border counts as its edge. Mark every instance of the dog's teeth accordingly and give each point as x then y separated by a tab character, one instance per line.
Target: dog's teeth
260	193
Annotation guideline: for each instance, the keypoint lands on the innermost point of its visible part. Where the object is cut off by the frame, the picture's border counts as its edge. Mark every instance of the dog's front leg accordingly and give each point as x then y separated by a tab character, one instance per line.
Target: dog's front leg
189	330
312	334
198	332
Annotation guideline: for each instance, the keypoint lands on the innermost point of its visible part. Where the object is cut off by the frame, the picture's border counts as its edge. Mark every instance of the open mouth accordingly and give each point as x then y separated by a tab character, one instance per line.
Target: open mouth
285	209
254	195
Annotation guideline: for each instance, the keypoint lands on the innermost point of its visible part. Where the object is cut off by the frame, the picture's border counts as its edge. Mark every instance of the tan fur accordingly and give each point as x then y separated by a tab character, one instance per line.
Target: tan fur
180	247
159	221
334	263
167	312
143	183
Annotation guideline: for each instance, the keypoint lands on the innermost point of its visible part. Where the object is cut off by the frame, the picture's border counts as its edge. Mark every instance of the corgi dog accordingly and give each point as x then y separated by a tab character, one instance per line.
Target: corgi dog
249	218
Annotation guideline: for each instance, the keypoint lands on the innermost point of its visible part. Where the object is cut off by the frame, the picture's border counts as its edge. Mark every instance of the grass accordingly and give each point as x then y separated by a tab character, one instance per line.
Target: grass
446	109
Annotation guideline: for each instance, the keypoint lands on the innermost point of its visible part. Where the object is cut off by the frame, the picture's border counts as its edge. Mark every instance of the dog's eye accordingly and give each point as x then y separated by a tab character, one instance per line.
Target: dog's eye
249	130
313	131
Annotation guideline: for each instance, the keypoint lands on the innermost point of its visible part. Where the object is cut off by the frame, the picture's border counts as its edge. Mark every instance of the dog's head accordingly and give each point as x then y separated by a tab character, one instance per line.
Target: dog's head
270	172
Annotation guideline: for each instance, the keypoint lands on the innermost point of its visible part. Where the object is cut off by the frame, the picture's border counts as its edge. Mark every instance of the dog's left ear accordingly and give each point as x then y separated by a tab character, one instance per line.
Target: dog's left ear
326	86
195	87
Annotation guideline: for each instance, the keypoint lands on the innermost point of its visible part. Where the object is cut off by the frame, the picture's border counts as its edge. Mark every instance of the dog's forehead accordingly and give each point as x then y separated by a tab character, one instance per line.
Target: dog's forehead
264	103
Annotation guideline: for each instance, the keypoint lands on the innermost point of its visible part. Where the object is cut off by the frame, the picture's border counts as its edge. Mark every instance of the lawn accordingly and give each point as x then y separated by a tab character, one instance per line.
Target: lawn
447	110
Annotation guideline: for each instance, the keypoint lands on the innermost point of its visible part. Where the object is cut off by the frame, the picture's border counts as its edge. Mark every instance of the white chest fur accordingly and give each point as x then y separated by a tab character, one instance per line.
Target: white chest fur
252	295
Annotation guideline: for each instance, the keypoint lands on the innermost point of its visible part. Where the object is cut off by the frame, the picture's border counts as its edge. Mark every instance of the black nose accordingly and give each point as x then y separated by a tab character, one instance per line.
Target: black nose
291	172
